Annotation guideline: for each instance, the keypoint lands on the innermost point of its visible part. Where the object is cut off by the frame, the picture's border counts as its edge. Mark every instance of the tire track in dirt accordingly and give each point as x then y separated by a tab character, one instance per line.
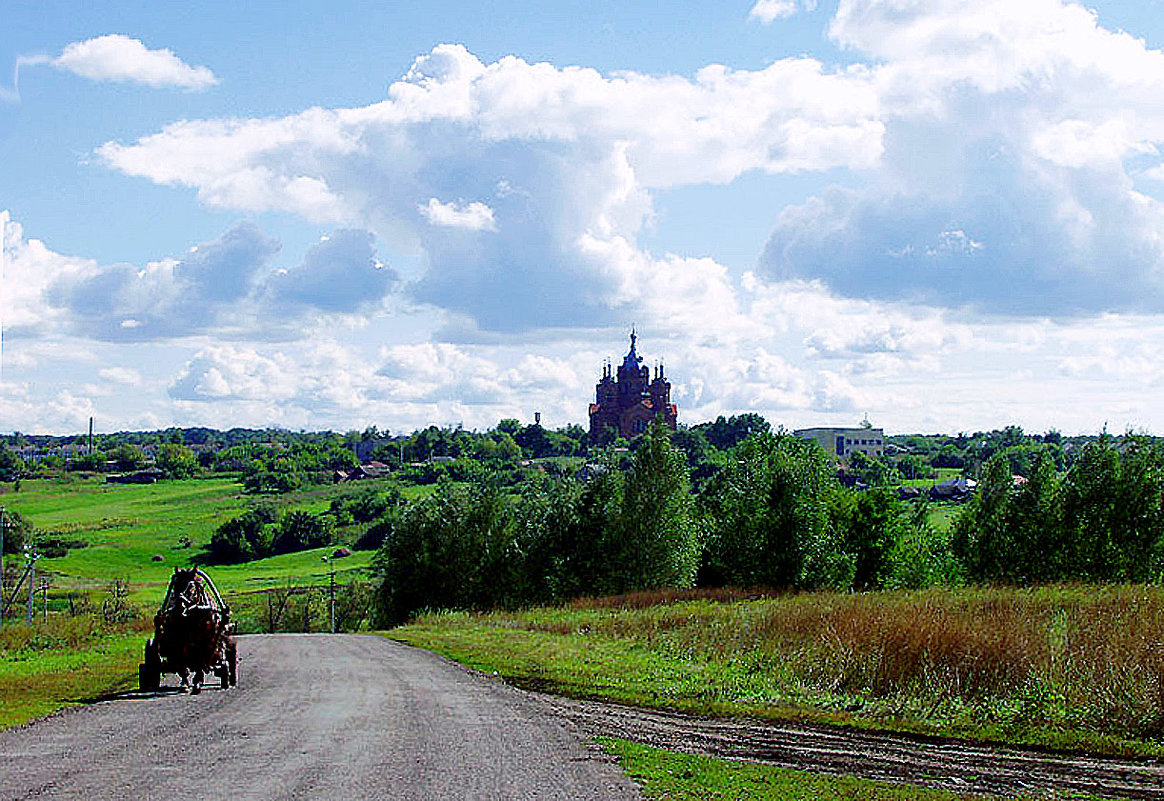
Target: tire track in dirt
947	764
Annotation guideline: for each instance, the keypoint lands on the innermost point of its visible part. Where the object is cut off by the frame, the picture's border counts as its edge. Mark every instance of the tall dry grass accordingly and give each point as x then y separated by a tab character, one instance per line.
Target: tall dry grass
1072	656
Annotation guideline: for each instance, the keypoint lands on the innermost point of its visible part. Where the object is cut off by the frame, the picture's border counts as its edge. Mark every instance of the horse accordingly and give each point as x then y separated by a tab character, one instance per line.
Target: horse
192	630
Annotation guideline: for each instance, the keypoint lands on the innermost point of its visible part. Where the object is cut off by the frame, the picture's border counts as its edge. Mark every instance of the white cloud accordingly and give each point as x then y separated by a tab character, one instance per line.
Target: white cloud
224	372
768	11
27	269
119	58
475	216
121	375
227	287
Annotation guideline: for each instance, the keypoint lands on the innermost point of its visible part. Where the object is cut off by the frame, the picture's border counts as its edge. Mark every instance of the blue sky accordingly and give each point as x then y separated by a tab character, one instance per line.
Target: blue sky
943	214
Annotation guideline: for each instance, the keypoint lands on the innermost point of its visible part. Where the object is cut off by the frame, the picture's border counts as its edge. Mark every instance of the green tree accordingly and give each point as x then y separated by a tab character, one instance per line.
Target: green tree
872	522
242	538
176	461
658	544
93	462
128	456
11	465
984	538
726	433
18	530
455	549
299	531
770	516
1089	509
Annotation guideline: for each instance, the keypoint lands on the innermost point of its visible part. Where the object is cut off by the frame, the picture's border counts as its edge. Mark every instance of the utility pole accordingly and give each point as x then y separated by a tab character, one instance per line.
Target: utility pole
32	555
3	526
331	592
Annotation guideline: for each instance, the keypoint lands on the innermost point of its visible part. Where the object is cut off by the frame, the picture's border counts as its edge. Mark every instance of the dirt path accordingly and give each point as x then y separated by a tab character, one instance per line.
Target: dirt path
314	716
930	762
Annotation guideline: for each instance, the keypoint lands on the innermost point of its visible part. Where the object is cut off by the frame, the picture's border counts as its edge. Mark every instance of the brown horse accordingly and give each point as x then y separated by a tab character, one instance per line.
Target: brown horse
193	631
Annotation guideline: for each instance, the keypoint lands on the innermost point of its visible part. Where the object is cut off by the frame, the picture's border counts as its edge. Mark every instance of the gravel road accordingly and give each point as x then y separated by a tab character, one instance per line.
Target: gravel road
314	716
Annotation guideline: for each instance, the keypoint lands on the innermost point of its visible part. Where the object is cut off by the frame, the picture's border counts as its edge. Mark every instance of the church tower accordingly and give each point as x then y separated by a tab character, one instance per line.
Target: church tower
626	403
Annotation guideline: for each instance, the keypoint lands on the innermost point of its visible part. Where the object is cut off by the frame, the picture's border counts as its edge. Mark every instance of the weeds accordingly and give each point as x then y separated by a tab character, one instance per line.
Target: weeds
1058	659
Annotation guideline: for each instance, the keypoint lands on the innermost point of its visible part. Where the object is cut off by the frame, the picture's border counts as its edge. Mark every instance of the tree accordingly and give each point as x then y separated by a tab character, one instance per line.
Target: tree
176	461
455	549
727	433
127	457
17	531
659	544
1089	498
242	538
299	531
872	522
93	461
769	511
11	465
984	536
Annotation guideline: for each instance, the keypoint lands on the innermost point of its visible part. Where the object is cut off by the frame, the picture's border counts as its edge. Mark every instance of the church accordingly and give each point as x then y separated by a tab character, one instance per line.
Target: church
624	405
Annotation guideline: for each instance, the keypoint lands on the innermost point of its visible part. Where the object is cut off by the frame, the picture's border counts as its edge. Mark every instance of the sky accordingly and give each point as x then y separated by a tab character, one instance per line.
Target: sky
944	215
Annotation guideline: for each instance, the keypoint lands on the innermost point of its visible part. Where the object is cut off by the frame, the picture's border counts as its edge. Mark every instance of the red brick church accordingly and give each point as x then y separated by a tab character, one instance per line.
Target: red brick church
629	402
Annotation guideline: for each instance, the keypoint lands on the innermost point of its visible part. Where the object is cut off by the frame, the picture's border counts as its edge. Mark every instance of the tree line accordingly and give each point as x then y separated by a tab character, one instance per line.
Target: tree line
775	516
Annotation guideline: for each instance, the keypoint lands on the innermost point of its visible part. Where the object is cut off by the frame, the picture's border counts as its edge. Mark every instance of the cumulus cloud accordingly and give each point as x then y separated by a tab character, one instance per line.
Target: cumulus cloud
768	11
226	372
500	173
121	375
227	287
340	274
475	216
119	58
1028	116
171	297
27	269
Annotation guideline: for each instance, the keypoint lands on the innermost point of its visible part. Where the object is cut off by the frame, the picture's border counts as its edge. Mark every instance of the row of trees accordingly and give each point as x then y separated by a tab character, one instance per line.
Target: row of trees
1101	520
774	516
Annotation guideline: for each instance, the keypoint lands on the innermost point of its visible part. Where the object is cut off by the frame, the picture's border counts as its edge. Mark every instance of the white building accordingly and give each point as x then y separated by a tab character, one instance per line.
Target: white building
841	443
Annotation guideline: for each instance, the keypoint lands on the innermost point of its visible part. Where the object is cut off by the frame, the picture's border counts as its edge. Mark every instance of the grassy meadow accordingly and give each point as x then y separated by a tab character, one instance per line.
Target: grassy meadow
125	526
92	640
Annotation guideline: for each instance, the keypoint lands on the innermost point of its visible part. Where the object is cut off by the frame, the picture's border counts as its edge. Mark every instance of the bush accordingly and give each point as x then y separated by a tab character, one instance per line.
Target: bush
176	461
241	539
301	531
17	531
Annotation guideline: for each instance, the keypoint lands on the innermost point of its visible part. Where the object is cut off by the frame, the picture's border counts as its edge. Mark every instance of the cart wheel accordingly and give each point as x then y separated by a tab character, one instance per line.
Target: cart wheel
231	666
149	674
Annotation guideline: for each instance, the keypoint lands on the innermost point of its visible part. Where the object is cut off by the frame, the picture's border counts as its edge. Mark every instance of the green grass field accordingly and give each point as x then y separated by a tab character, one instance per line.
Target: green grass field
127	525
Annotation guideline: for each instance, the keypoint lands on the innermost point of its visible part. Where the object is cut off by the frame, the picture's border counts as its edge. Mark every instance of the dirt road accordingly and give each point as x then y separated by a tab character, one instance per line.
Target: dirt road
320	716
930	762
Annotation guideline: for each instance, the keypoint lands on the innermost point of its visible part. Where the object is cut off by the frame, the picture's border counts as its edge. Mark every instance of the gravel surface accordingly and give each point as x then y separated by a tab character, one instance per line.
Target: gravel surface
928	762
314	716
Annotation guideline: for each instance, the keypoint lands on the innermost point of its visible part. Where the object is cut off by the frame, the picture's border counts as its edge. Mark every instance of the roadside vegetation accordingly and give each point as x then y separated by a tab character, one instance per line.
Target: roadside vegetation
86	652
1070	667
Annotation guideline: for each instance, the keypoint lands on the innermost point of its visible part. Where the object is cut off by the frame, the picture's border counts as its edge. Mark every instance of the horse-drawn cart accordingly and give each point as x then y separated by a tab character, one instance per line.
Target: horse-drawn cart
192	634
